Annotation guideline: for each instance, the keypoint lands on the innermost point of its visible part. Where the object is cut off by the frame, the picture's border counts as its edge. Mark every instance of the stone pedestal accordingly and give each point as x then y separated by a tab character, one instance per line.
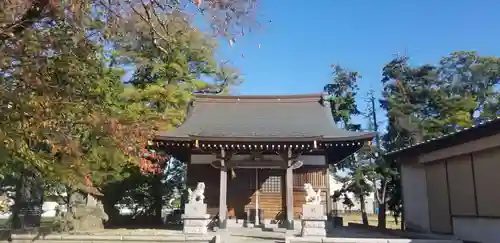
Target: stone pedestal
195	218
313	221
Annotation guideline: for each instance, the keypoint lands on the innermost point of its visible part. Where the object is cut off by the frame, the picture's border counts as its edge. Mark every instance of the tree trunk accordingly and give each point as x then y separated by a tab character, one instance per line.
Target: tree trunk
16	208
27	211
402	220
381	215
364	217
158	199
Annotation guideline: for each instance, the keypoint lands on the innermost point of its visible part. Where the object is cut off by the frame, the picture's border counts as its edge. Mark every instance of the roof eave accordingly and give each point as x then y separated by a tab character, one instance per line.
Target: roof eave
355	137
358	137
451	139
172	137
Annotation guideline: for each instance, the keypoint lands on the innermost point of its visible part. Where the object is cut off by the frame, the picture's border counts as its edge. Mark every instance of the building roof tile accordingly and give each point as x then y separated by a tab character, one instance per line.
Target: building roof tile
261	118
482	129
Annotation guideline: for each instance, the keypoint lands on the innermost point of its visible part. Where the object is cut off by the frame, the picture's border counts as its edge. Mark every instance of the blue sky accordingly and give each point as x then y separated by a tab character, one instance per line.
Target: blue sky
302	40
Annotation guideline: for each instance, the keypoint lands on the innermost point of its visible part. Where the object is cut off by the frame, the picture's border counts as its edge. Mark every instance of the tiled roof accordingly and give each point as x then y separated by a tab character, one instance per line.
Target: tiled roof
261	118
487	127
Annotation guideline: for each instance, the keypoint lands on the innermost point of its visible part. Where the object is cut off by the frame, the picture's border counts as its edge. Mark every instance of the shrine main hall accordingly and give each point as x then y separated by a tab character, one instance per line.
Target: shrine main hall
254	153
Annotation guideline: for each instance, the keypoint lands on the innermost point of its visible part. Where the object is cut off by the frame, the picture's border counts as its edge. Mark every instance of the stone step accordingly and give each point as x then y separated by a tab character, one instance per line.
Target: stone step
362	240
109	238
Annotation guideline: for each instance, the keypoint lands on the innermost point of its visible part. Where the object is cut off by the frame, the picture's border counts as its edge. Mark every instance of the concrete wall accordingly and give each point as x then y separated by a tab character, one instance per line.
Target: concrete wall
464	194
415	196
485	230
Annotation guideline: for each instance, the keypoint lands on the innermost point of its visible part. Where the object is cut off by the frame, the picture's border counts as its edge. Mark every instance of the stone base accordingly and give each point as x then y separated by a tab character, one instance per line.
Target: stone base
195	225
313	221
195	219
313	228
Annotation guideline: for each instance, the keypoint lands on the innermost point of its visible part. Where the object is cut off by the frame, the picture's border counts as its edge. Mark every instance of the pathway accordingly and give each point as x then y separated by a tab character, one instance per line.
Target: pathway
245	235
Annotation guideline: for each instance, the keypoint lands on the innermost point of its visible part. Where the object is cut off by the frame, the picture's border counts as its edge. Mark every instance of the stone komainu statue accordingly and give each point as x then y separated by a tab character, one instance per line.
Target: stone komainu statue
197	196
312	197
84	213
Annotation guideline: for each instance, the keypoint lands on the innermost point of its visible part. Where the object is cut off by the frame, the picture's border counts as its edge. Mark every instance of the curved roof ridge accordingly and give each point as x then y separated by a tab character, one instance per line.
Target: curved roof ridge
262	118
210	98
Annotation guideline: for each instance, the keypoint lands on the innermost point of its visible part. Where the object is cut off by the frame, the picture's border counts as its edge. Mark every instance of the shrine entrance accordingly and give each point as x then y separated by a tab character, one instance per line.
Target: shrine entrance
262	139
257	188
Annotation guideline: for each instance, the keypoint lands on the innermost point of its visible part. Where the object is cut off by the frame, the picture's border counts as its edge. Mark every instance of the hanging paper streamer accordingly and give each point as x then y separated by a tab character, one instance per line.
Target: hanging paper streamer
258	46
231	42
242	54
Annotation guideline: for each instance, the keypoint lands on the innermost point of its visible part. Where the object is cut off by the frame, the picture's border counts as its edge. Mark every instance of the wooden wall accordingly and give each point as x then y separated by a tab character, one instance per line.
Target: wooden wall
211	177
241	189
271	190
437	194
315	175
463	186
487	182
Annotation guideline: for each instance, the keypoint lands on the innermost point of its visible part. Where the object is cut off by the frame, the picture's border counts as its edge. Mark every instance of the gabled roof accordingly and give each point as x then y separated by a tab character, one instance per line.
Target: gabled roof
287	118
483	129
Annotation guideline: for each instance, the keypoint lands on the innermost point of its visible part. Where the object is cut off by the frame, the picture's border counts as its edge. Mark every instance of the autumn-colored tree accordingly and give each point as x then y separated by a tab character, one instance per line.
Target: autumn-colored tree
67	118
166	75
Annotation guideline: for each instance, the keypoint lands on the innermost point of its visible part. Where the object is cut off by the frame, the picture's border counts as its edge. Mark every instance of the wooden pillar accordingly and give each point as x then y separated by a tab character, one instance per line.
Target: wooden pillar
257	195
329	202
289	191
223	192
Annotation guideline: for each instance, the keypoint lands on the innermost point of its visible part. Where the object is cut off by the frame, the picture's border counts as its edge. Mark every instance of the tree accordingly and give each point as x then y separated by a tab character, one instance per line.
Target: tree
379	171
342	93
467	74
356	182
429	101
166	76
67	118
342	98
225	18
76	34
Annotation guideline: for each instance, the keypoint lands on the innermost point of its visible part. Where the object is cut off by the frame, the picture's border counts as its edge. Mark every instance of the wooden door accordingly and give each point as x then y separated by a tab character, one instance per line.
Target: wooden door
240	191
272	196
242	196
437	196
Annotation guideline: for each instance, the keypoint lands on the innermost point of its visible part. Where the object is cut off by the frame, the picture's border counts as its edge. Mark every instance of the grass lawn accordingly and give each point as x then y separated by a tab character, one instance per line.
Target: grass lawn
372	220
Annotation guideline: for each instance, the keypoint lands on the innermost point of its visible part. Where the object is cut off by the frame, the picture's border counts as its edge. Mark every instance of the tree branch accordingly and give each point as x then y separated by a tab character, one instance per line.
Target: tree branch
34	13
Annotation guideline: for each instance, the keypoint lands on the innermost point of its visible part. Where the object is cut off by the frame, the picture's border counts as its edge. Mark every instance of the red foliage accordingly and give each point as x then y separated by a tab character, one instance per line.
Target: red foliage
133	142
88	181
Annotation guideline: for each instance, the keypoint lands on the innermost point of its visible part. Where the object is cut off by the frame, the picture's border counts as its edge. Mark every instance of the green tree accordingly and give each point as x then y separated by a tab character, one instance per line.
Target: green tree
356	181
467	74
429	101
166	76
342	93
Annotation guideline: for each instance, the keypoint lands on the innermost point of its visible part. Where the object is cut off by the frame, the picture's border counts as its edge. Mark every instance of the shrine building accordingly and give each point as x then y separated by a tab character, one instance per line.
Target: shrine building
254	153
